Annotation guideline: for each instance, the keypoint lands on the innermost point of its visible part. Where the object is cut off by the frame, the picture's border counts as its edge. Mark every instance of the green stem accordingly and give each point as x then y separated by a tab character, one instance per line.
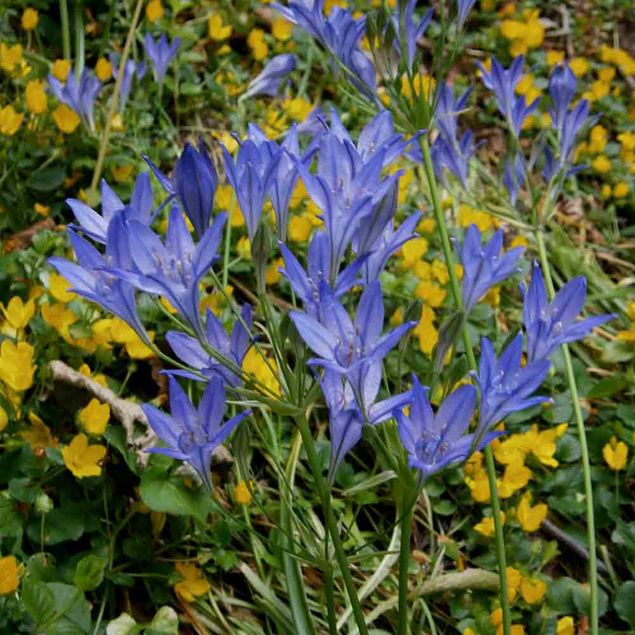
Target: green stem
584	450
404	561
78	24
324	494
66	30
489	457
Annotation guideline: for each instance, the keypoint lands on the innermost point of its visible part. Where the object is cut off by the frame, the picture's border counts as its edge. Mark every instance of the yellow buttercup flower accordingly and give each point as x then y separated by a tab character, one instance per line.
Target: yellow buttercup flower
272	271
257	44
615	454
601	164
60	69
30	19
9	575
514	577
486	526
60	317
4	419
94	417
300	228
66	119
264	371
216	29
154	10
193	583
413	251
10	56
100	378
426	332
35	97
82	459
10	121
532	589
515	477
17	314
530	517
621	189
579	66
42	210
470	216
431	293
281	29
16	365
554	57
242	493
39	435
103	69
565	626
298	109
59	288
122	333
122	173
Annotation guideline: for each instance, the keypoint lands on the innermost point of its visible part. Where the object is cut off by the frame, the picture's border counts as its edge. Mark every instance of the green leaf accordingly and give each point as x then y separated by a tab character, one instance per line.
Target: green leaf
625	602
89	573
47	180
123	625
164	493
165	622
608	386
10	519
38	600
60	525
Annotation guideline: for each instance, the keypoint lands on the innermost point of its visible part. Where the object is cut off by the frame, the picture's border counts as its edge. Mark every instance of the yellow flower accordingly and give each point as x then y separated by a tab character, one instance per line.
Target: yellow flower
565	626
4	419
16	365
154	10
193	583
216	29
426	332
281	29
597	139
431	293
122	333
94	417
627	139
621	189
9	575
257	44
479	486
39	435
29	19
10	56
58	288
601	164
122	173
515	477
242	493
61	69
530	517
103	68
606	191
554	57
264	372
10	121
81	458
298	109
18	314
66	119
413	251
243	248
579	66
272	273
35	97
100	378
300	228
60	317
470	216
513	582
426	226
532	589
486	526
615	453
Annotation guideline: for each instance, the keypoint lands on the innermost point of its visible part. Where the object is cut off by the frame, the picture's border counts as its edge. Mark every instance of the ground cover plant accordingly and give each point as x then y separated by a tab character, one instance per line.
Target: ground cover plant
317	317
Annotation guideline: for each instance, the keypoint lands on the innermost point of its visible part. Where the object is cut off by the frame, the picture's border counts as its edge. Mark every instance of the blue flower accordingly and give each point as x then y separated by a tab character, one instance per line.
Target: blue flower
346	347
78	95
572	123
463	9
436	441
483	265
307	284
251	175
550	324
268	81
96	225
412	32
192	434
88	278
160	53
130	70
346	420
195	182
506	386
233	348
503	84
514	176
562	86
175	268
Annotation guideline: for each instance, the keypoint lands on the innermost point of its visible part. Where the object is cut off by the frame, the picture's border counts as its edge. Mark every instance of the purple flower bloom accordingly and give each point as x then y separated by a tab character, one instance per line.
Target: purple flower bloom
463	9
175	268
550	324
346	420
572	123
412	32
435	441
562	85
195	183
483	265
192	434
268	81
346	347
503	83
80	96
130	70
233	348
251	175
96	225
506	386
160	53
514	176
